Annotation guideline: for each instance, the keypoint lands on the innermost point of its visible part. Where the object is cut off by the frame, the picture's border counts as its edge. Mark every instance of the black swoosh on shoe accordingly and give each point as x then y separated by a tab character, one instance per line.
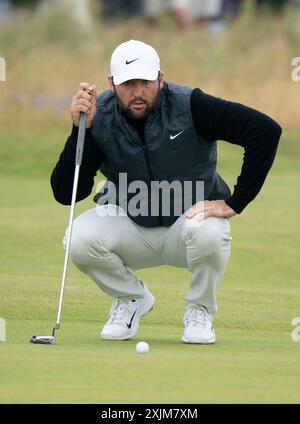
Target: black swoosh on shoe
130	323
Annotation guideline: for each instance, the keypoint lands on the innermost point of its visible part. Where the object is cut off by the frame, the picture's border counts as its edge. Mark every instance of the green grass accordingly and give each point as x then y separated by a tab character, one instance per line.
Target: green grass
254	359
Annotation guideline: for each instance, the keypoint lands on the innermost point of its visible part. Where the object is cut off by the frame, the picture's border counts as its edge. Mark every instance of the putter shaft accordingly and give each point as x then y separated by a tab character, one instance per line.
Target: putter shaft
79	153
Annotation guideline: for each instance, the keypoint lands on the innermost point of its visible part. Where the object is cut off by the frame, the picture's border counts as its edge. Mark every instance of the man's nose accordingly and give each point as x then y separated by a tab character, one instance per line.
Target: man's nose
137	90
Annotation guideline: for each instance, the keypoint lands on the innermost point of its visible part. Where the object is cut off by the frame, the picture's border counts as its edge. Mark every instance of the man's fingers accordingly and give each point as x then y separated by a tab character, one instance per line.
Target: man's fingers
81	105
81	108
203	209
82	101
194	210
207	208
89	88
190	213
203	215
93	90
85	86
85	100
83	95
86	89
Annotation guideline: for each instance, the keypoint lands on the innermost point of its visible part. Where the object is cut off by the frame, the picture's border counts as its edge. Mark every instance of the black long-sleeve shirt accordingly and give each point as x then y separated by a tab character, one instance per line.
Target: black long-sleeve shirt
214	119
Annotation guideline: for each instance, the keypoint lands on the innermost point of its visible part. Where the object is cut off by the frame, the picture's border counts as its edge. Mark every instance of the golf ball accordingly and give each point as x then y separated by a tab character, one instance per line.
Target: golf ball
142	347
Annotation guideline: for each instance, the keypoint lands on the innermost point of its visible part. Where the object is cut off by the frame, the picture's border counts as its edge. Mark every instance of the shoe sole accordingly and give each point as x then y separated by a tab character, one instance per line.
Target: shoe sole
135	327
199	341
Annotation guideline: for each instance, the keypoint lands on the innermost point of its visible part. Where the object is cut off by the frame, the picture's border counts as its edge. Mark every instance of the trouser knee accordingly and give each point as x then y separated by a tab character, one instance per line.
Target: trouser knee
80	245
93	238
210	237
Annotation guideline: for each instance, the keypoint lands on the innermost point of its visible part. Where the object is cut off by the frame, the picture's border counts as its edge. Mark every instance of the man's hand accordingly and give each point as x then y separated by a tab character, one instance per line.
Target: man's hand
84	101
203	210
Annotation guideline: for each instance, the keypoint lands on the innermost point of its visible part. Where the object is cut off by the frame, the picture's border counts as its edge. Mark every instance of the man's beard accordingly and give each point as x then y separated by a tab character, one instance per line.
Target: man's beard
134	115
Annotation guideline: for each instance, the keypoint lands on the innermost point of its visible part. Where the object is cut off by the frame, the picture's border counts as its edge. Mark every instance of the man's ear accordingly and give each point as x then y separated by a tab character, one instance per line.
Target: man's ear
161	79
111	82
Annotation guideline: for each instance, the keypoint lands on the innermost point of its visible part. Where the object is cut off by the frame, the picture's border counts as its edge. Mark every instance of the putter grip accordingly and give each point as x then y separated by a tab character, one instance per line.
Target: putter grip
80	139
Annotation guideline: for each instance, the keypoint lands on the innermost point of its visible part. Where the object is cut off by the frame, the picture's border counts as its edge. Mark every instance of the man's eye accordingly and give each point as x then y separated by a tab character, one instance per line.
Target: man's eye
127	83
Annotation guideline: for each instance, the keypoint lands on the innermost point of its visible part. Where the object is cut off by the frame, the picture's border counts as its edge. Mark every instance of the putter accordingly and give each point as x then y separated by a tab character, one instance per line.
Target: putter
79	152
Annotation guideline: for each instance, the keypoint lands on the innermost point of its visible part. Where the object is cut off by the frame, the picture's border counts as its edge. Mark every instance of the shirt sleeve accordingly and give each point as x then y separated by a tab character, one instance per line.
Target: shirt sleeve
218	119
63	173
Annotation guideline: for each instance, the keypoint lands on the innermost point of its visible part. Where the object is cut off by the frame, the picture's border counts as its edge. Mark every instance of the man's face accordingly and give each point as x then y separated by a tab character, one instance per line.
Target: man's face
137	97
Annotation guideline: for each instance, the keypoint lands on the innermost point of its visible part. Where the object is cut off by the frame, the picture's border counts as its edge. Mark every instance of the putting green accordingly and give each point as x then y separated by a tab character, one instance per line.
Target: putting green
254	360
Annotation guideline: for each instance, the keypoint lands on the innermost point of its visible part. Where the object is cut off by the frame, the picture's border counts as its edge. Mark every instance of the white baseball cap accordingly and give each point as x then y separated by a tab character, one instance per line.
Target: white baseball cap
134	60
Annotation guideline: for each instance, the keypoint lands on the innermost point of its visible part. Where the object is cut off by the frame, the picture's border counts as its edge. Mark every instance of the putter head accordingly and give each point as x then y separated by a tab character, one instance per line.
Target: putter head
42	340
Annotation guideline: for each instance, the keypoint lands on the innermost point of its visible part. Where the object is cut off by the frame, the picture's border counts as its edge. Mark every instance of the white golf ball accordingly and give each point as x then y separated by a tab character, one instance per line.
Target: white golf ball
142	347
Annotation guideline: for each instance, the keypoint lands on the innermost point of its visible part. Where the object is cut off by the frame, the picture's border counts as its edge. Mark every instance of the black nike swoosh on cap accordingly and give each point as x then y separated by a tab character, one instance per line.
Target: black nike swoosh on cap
130	61
130	323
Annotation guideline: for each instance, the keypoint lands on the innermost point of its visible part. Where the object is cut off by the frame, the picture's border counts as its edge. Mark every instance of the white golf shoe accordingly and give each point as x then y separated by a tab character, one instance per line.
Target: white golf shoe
124	316
198	326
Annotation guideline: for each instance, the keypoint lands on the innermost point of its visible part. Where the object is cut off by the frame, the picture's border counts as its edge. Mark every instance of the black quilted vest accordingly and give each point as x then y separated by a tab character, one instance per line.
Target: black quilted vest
172	151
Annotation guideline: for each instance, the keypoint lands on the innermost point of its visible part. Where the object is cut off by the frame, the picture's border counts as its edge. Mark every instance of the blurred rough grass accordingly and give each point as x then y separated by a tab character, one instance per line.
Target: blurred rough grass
47	54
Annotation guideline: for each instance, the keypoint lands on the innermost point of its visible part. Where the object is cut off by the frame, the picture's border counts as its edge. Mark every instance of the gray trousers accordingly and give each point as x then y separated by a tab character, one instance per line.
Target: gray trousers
107	248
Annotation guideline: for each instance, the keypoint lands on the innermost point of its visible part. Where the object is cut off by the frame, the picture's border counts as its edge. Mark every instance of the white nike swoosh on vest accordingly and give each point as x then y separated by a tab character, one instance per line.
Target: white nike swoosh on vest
176	135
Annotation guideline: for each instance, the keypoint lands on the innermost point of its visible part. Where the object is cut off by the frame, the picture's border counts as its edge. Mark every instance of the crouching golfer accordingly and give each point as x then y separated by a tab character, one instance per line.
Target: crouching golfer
163	201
